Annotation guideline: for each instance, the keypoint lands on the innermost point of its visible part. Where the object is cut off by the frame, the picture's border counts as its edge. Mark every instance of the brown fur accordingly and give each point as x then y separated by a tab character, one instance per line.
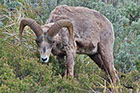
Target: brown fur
91	30
88	32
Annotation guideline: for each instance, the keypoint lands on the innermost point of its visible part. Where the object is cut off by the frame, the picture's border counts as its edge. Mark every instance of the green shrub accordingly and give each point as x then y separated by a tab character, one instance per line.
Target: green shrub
130	10
1	24
22	71
128	55
136	26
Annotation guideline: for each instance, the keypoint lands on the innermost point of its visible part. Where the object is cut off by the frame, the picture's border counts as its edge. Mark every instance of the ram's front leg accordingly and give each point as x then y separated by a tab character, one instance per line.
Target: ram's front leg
70	62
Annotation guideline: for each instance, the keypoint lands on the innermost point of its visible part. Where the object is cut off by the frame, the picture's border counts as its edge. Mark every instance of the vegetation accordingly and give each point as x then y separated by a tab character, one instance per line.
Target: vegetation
21	69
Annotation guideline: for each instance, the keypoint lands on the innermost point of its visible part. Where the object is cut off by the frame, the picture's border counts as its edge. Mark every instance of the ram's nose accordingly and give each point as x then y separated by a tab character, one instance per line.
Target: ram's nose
44	60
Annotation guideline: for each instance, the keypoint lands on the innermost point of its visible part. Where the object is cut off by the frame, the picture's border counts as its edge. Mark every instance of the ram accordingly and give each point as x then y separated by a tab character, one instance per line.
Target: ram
75	30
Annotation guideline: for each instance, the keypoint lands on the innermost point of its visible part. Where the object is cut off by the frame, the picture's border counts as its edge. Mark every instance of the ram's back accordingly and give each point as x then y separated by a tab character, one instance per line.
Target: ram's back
89	25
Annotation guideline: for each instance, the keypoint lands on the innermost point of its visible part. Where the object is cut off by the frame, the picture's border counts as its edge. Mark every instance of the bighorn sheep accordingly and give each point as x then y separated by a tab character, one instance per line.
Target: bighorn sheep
71	30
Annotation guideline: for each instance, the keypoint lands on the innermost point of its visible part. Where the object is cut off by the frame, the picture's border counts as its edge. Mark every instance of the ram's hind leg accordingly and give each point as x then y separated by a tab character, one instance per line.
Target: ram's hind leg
104	59
98	60
106	53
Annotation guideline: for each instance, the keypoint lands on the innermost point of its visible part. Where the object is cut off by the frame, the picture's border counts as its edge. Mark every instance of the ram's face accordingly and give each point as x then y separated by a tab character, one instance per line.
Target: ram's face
45	34
45	45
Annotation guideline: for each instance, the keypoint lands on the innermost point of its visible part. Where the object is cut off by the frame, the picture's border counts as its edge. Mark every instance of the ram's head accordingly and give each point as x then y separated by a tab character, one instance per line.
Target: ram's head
45	34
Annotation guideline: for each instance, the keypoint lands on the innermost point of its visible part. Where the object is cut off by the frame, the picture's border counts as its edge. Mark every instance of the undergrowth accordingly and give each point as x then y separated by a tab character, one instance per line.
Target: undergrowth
21	69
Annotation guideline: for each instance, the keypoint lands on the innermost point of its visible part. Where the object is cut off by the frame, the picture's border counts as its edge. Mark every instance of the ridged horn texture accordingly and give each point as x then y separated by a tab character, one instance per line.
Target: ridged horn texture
54	29
32	24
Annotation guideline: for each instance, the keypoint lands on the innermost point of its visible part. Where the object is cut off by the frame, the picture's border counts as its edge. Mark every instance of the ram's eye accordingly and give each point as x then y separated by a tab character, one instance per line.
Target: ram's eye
37	42
53	41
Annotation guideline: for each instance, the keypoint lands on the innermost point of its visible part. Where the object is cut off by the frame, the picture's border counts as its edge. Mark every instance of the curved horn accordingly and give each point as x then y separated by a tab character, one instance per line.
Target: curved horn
32	24
54	29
